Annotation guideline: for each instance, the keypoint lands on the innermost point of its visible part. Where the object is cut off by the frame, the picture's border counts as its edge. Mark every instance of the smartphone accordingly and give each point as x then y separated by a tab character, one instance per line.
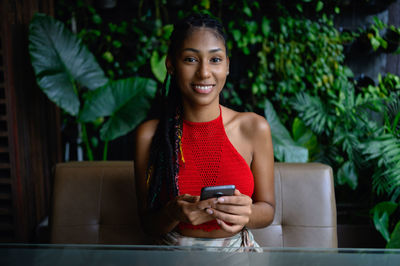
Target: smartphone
216	191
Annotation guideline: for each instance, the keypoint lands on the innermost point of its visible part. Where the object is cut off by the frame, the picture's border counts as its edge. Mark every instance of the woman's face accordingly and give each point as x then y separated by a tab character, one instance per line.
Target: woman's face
201	67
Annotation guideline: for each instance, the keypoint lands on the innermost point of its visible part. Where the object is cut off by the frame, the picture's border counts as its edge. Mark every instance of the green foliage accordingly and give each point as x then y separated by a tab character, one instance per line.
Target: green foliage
394	241
69	74
389	83
293	55
347	175
285	148
352	122
374	35
380	214
125	48
305	137
124	101
344	121
158	66
61	62
313	112
384	150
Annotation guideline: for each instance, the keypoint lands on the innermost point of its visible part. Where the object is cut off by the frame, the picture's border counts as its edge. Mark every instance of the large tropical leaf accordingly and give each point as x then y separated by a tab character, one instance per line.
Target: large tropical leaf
125	101
380	214
312	111
158	66
285	148
304	137
394	241
60	59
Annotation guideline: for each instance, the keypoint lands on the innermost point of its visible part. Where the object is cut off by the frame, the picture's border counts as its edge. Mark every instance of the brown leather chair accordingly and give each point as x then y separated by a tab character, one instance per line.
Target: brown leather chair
95	203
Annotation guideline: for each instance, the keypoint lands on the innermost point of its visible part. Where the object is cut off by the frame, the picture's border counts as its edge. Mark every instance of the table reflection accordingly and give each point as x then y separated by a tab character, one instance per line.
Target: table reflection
25	254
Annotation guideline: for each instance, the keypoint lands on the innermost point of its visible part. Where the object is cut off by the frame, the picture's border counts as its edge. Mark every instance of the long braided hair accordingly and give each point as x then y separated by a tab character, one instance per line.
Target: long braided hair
163	167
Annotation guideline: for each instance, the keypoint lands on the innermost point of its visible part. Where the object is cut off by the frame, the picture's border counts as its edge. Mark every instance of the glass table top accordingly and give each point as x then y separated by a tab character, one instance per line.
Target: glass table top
32	254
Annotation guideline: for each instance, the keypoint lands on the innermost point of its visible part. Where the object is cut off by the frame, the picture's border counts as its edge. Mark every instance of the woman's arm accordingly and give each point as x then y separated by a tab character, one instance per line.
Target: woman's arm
240	210
262	167
184	208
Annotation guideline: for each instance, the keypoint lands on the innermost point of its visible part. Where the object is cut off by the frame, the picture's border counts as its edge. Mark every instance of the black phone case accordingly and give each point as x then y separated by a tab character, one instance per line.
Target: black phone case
217	191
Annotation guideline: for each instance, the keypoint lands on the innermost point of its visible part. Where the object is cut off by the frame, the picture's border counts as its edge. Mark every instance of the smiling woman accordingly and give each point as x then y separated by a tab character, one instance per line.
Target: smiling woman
201	68
196	142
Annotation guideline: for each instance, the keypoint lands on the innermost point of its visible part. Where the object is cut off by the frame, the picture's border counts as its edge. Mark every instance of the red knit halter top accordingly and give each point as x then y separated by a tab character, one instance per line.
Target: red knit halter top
210	160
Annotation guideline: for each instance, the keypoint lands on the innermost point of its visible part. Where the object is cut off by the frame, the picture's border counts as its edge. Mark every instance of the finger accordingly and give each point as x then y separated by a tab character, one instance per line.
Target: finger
230	218
229	228
237	193
234	209
235	200
208	203
196	216
204	219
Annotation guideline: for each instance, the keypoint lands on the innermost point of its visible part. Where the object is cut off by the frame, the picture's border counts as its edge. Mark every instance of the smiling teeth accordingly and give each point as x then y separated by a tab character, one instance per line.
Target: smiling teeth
204	88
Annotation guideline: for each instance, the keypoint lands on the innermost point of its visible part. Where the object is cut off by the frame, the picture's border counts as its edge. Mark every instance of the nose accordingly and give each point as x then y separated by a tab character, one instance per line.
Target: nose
203	71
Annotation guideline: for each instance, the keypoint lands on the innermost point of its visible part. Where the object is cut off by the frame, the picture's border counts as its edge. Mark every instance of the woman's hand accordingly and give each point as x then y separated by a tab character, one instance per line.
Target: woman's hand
235	210
189	209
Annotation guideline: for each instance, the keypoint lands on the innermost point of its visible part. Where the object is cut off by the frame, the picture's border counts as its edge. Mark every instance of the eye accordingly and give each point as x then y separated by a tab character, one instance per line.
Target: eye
190	59
216	60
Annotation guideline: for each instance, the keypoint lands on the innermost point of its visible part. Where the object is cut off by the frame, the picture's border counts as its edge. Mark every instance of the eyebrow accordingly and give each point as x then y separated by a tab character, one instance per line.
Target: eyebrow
198	51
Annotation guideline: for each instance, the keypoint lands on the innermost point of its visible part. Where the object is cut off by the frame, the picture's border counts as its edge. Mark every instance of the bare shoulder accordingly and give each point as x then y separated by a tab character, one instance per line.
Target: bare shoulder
146	130
255	122
250	124
143	139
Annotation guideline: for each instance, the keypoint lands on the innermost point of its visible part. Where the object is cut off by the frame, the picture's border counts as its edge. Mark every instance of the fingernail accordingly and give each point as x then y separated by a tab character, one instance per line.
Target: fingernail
218	221
209	211
220	200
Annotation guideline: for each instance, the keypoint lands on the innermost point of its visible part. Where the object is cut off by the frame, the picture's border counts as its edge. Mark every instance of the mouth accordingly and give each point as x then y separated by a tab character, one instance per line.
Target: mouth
204	89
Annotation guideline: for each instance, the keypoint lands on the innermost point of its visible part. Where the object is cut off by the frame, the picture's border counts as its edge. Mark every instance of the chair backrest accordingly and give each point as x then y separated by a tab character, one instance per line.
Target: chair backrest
95	203
305	211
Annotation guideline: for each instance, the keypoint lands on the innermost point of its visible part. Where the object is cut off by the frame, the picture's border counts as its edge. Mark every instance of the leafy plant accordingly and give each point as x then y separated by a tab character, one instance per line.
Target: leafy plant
293	55
365	127
343	120
377	37
380	214
70	76
285	148
124	48
374	35
59	72
383	146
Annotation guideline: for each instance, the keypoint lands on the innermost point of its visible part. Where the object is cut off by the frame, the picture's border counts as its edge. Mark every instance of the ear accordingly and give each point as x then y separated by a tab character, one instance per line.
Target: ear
227	65
169	65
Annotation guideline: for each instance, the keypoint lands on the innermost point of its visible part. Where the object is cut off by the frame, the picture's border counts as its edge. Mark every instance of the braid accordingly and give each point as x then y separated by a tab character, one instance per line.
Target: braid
163	167
162	170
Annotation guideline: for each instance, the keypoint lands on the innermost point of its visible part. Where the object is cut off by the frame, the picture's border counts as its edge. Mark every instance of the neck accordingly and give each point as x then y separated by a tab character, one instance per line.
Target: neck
202	113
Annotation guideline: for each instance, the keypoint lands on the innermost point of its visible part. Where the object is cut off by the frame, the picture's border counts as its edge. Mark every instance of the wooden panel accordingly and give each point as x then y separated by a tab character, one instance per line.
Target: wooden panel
29	127
393	60
7	227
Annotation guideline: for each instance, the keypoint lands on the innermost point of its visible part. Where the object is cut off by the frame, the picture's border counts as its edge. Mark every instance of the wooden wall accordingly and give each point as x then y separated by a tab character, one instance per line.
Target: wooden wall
29	127
393	60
